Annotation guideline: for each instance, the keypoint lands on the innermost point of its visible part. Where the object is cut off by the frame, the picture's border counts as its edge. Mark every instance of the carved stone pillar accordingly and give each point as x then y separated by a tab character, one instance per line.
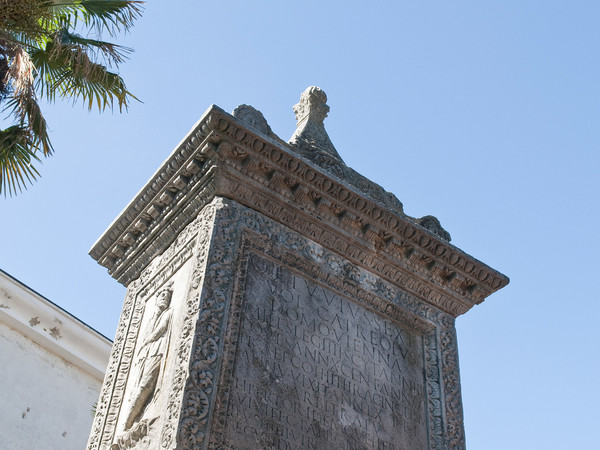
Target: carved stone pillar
276	299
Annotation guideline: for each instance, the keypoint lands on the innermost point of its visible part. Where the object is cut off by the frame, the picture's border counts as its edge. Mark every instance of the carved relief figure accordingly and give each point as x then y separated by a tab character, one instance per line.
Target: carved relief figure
151	357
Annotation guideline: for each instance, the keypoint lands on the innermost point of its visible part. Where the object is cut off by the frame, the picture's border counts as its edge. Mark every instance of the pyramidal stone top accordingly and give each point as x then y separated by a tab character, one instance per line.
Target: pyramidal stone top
312	141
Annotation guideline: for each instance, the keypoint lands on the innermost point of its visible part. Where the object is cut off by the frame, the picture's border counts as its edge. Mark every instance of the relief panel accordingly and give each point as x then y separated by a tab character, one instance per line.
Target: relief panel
314	369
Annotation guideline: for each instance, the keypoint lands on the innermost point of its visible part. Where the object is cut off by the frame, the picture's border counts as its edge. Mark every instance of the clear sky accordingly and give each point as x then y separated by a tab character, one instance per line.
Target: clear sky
484	114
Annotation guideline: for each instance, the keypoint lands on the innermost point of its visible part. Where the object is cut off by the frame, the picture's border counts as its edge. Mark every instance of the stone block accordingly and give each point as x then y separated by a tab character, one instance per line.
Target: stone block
282	302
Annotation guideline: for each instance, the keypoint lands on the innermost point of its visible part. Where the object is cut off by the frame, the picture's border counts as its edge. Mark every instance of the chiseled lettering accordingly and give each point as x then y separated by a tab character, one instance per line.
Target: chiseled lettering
314	367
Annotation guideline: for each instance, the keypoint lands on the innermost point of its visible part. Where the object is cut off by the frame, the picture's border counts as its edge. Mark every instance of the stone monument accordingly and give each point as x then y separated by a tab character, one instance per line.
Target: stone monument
277	299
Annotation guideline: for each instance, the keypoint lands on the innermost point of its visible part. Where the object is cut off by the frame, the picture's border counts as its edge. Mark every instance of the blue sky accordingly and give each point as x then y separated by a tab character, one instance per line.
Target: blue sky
484	114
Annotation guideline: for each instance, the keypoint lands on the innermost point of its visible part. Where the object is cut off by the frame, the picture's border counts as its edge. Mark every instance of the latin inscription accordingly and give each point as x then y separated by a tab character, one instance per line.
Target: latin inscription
315	370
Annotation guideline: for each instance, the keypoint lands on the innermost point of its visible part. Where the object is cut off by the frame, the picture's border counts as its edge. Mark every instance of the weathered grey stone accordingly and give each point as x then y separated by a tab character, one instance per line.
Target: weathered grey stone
306	310
317	370
255	119
310	135
432	224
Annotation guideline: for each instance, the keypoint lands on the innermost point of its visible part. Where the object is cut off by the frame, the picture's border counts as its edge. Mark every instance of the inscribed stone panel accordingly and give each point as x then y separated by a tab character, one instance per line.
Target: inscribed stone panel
314	369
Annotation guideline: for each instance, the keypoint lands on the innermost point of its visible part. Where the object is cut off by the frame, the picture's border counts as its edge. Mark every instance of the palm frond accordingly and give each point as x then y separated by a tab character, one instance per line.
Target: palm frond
29	115
66	69
112	16
23	102
16	159
40	54
96	86
108	53
67	52
11	39
38	128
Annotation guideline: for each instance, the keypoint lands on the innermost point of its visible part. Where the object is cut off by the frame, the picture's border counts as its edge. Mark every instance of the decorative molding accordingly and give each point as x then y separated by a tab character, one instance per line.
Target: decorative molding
453	398
240	163
304	187
206	334
238	231
183	371
185	160
388	268
104	419
160	233
152	278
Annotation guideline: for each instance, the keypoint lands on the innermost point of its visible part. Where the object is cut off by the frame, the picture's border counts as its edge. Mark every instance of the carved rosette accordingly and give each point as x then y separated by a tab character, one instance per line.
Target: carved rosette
182	372
201	343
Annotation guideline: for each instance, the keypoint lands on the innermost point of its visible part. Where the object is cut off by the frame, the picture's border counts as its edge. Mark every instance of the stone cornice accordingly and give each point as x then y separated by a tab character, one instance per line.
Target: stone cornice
152	219
224	156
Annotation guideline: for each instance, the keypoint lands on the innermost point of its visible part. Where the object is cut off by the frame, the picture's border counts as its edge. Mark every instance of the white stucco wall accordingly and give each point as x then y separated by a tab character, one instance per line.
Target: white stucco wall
51	370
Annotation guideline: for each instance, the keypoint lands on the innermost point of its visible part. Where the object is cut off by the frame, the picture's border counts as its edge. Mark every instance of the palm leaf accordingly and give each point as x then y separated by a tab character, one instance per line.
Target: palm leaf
109	53
41	55
66	70
112	16
96	86
16	158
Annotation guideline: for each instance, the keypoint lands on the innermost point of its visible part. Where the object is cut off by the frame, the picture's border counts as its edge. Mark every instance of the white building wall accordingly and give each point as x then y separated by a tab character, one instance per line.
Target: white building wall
51	371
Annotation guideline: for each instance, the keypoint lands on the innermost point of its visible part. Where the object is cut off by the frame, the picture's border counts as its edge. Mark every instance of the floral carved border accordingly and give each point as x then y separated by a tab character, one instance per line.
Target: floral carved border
211	359
105	420
188	336
151	279
197	349
451	379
